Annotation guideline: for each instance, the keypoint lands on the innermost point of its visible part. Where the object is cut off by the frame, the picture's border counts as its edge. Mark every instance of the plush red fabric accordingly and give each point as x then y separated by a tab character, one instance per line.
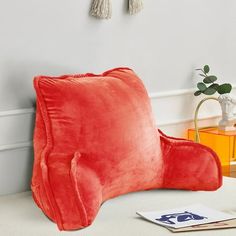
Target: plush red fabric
95	138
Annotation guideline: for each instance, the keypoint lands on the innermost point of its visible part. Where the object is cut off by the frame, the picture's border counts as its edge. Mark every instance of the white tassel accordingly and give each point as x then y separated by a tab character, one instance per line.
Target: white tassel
135	6
101	9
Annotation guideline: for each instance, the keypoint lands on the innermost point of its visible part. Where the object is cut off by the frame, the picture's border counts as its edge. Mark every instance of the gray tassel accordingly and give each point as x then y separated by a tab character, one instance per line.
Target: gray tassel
135	6
101	9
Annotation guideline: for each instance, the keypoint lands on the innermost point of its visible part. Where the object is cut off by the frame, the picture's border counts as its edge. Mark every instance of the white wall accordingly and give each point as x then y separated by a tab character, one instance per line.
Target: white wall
164	44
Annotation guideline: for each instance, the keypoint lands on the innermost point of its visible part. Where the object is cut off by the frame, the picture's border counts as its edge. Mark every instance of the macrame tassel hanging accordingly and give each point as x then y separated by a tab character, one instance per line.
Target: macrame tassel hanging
101	9
135	6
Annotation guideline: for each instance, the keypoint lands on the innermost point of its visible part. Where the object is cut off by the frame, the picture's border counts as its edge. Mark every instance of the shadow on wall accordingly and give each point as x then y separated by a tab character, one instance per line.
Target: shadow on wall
15	170
17	81
17	101
188	105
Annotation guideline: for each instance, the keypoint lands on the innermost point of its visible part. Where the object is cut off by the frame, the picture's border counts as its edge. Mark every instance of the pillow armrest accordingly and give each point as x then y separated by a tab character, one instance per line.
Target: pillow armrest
75	191
189	165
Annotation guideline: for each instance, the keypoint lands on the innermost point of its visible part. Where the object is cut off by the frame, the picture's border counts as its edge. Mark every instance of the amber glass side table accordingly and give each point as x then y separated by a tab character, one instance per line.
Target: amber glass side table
223	143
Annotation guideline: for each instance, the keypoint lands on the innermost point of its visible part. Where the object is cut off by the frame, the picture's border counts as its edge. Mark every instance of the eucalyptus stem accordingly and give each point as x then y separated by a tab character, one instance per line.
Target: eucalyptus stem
197	137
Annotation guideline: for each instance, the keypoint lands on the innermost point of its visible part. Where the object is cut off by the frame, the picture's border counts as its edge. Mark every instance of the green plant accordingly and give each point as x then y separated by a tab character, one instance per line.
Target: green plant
208	86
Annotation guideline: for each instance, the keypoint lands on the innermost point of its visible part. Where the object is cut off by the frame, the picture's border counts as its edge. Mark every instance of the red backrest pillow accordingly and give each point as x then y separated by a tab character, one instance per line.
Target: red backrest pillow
95	138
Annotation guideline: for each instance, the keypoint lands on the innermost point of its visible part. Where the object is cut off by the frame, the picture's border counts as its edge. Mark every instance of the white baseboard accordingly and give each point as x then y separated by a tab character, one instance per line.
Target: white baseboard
14	146
17	112
173	111
16	128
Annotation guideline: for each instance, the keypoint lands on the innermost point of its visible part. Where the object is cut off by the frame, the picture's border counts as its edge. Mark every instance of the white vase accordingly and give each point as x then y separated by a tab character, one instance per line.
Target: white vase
228	107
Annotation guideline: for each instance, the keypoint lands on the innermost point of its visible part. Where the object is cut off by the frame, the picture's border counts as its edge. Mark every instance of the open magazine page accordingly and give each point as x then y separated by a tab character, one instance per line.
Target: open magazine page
186	216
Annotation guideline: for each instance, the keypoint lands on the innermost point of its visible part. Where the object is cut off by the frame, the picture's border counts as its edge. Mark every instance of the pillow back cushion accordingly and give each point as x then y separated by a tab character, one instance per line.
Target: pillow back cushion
95	138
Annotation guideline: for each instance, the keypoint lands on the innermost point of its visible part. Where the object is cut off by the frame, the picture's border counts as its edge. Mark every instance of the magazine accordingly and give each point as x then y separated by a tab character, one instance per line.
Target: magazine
183	217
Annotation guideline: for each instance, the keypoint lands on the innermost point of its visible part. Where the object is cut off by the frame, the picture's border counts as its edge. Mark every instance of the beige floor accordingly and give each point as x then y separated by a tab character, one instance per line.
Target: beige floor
19	216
